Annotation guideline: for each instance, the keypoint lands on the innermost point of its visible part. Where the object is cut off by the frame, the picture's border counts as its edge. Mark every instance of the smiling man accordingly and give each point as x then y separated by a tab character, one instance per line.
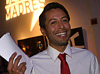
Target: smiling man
57	28
59	57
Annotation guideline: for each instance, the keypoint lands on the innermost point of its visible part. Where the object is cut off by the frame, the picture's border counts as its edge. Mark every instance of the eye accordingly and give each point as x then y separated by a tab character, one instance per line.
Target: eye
53	22
64	20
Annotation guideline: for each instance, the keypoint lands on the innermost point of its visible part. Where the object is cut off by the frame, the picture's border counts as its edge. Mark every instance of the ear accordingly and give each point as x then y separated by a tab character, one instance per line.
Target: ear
43	31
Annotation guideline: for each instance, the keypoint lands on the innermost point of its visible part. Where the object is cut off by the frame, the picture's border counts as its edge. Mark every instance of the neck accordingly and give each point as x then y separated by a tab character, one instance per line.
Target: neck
59	48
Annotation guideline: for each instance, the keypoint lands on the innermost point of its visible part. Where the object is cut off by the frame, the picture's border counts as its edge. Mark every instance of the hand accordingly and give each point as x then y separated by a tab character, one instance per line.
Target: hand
14	68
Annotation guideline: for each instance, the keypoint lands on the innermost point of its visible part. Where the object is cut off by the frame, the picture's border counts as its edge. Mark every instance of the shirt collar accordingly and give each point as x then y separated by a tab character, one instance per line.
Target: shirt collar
54	53
68	50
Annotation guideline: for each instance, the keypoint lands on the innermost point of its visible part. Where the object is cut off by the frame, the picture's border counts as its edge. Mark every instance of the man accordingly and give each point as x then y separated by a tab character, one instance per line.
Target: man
54	23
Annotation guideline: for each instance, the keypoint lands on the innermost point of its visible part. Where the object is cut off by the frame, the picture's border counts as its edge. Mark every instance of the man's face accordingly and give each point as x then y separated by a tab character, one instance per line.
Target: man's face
57	27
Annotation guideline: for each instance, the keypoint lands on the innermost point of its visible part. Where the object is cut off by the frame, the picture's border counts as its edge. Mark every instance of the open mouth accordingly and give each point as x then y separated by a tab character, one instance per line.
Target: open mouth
61	34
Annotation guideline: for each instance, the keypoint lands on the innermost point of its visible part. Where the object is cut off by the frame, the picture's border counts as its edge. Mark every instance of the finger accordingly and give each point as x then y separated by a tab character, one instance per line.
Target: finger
22	67
22	70
16	62
10	64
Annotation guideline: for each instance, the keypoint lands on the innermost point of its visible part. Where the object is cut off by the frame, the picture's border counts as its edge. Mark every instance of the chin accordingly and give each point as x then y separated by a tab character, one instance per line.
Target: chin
63	43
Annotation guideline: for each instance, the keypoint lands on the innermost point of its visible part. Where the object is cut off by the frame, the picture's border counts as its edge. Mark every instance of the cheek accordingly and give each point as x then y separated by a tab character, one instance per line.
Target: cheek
49	30
52	28
68	26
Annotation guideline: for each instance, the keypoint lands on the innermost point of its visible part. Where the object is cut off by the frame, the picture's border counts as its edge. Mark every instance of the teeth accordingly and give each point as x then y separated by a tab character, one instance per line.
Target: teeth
62	34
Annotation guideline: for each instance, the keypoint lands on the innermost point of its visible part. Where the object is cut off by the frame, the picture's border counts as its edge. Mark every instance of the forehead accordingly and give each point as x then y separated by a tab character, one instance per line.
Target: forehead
55	13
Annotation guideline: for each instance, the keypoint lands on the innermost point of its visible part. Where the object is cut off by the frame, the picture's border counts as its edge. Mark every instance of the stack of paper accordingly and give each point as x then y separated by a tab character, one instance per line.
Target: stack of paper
8	47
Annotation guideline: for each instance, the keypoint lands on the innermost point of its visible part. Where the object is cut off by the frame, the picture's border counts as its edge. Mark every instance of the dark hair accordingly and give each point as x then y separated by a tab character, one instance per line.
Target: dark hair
53	5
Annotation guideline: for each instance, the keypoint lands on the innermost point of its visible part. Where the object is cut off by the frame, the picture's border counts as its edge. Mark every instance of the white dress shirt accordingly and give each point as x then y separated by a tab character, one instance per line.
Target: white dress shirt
80	61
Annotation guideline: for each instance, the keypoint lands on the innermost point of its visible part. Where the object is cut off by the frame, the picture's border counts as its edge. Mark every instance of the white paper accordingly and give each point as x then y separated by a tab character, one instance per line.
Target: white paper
8	47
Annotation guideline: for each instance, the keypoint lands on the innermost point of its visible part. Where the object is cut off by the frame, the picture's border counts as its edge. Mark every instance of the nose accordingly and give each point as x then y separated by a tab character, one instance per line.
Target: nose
61	25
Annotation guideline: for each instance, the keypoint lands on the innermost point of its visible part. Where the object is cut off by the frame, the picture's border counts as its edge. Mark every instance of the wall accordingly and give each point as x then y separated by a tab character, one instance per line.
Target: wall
81	12
95	13
97	30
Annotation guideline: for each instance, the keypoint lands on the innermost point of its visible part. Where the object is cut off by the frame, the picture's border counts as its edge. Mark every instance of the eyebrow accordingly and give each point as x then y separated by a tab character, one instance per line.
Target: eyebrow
56	19
64	17
52	19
